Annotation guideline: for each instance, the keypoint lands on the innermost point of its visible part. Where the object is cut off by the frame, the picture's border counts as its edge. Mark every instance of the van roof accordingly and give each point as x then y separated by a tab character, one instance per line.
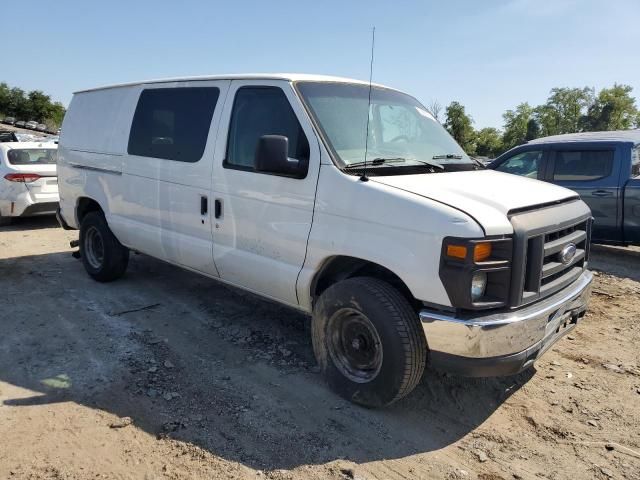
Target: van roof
631	136
291	77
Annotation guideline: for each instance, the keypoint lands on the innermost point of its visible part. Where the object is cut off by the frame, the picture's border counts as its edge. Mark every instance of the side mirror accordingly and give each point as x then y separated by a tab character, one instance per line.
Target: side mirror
272	157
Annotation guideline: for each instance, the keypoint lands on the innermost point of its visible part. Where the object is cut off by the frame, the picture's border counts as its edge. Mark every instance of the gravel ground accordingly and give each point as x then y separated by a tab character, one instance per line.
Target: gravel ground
167	374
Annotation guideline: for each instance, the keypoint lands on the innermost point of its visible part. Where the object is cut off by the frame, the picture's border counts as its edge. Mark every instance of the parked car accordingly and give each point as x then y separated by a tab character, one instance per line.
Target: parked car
21	124
9	120
41	127
268	191
28	181
602	167
8	136
31	125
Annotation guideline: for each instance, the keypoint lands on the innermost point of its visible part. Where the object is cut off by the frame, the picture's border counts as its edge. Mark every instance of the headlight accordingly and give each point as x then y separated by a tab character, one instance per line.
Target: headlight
478	286
476	272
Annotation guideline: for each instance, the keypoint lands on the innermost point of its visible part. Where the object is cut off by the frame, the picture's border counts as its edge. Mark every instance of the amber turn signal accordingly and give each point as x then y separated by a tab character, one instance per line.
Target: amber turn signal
457	251
481	252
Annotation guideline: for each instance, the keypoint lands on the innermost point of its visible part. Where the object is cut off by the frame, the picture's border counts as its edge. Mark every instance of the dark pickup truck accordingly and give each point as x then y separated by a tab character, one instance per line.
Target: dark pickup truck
602	167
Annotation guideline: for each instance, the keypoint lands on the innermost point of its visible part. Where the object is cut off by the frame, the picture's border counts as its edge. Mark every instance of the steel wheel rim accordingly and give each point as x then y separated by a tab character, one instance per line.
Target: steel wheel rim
354	345
94	247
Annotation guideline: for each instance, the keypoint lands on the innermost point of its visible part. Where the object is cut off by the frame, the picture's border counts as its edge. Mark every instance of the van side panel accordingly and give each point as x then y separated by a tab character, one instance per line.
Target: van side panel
90	155
632	211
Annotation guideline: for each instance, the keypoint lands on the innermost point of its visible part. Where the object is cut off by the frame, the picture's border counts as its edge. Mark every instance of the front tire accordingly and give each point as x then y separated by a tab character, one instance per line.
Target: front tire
104	258
368	341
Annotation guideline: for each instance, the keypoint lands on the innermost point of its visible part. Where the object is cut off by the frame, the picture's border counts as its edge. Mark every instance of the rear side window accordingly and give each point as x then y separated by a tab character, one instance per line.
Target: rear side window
525	164
173	123
259	111
585	165
32	156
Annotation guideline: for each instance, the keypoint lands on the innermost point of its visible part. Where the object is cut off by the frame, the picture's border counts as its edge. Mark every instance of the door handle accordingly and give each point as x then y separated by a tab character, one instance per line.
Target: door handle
218	208
204	205
602	193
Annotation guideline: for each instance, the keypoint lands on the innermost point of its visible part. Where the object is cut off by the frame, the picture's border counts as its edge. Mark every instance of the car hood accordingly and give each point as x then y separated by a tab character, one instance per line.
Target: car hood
486	195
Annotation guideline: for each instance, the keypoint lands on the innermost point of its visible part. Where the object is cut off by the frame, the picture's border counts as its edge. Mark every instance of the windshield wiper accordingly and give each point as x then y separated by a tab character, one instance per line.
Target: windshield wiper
384	161
448	156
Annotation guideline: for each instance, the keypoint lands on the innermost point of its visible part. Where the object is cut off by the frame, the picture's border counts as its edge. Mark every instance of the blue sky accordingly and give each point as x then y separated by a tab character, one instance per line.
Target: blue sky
489	55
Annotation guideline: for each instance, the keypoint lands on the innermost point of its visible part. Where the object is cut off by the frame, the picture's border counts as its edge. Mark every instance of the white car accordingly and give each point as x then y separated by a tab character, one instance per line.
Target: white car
28	180
414	257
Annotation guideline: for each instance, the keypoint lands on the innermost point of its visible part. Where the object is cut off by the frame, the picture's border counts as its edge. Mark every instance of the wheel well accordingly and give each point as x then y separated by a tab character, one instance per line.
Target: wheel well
86	205
342	267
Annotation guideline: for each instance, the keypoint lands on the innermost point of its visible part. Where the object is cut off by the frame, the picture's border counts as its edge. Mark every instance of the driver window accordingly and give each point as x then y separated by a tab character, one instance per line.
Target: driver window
525	164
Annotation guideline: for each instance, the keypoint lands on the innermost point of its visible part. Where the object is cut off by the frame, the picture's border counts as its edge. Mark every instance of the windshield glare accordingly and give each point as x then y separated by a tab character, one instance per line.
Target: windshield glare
399	126
32	156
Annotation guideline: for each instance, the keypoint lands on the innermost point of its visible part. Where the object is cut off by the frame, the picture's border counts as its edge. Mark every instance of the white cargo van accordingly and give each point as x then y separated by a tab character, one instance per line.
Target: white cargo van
416	258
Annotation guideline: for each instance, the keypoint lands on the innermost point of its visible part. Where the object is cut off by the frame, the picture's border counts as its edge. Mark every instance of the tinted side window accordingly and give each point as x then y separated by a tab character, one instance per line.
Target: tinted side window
173	123
526	164
259	111
583	165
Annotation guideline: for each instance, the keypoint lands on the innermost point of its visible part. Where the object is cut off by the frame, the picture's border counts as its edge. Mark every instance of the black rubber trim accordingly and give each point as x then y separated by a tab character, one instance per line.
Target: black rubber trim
37	208
62	221
484	367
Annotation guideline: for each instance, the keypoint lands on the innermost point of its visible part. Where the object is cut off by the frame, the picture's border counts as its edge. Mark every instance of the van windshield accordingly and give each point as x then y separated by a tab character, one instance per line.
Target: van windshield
401	130
31	156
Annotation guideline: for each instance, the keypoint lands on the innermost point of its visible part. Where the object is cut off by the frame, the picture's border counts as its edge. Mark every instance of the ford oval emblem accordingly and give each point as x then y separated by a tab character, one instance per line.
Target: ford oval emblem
567	253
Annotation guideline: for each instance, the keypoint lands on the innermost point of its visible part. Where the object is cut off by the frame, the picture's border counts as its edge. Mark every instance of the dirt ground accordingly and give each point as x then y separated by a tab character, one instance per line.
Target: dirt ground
167	374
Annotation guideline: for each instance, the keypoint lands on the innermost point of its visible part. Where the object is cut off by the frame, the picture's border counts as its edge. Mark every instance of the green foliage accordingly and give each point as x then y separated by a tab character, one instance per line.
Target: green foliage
459	125
613	109
489	142
567	110
35	105
515	125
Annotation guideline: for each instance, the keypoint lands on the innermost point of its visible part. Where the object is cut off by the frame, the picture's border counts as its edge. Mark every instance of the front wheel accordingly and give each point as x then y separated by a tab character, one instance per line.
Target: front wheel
104	258
368	341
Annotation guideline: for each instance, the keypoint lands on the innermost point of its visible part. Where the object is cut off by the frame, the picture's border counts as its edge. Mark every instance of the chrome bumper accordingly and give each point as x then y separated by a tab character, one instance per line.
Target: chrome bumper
517	337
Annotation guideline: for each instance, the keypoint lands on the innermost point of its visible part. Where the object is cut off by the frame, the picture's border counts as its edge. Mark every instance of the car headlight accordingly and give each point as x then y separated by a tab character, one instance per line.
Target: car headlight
478	286
476	272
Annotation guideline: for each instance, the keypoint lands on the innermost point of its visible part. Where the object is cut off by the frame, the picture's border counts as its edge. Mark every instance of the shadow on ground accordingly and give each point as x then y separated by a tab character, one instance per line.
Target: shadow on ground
618	261
187	357
30	223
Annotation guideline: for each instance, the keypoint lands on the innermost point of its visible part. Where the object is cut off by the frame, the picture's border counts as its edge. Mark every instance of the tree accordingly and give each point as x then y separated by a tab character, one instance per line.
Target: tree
565	108
613	109
515	125
459	125
533	129
35	105
40	105
435	109
488	142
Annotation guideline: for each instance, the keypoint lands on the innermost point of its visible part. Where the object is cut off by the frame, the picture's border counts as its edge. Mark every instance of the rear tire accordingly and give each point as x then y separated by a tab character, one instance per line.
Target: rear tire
4	221
104	258
368	341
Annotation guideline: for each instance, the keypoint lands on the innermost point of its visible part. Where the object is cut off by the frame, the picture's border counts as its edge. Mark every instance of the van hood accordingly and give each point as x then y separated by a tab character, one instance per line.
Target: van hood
486	195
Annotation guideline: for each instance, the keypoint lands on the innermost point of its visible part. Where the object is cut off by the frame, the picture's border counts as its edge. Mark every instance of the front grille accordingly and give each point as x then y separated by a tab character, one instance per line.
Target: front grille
546	270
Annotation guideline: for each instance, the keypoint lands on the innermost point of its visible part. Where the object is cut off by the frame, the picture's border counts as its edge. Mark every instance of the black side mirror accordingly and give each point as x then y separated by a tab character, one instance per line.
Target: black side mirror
272	157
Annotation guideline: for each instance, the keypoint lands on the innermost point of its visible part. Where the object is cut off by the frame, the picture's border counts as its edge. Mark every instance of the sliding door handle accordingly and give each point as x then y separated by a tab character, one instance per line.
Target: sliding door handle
218	208
204	205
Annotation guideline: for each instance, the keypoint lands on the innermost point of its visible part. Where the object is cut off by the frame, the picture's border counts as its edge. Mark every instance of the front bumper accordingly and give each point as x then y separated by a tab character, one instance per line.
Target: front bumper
504	343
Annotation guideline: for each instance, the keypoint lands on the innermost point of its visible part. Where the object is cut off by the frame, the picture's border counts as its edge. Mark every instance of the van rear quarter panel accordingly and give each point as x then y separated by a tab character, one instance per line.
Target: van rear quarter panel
95	134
